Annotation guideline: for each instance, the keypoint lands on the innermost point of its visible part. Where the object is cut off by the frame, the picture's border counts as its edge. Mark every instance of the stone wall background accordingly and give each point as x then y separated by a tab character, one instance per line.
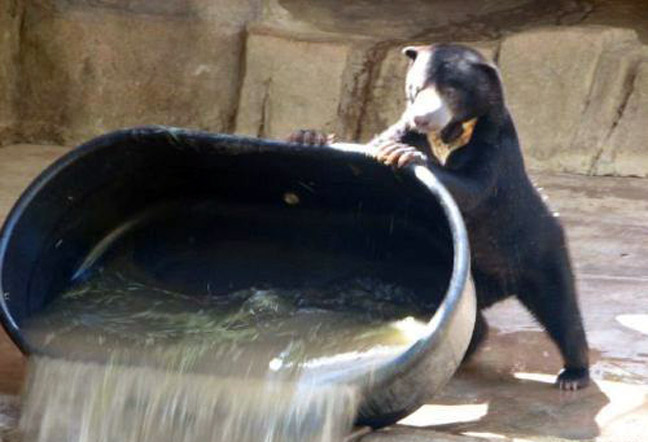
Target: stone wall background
575	71
10	12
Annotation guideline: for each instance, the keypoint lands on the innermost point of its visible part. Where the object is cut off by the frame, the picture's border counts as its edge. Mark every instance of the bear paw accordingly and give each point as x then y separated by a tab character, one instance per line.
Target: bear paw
398	155
573	379
310	138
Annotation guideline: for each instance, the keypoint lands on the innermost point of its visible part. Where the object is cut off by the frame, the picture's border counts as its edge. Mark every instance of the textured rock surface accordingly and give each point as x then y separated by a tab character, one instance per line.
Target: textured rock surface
632	14
427	19
627	148
548	75
72	69
84	74
385	99
290	84
444	20
236	12
9	26
605	105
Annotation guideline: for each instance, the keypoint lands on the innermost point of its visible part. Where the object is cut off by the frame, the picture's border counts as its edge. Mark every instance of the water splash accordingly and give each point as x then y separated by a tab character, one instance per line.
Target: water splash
89	402
142	363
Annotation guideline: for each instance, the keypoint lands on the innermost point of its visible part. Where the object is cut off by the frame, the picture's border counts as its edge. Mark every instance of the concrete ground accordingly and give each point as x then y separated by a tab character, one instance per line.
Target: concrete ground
505	394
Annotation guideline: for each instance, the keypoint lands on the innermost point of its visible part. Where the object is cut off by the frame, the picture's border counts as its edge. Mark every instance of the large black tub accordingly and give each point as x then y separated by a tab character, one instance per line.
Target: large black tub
328	212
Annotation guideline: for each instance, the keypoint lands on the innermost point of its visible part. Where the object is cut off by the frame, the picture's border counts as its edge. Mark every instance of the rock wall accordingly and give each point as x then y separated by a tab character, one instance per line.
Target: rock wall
88	67
578	94
625	150
566	88
10	13
73	69
286	85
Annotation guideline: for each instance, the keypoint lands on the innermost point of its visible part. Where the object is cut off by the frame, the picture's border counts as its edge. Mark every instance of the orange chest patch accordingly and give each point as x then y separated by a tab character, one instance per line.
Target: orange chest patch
443	150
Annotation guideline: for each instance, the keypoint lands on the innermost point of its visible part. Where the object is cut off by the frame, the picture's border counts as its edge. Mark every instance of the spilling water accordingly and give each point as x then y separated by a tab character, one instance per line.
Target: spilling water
143	363
73	401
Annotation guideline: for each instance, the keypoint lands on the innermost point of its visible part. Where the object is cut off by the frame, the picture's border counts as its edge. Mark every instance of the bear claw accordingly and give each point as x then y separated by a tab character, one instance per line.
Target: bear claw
399	155
572	379
311	138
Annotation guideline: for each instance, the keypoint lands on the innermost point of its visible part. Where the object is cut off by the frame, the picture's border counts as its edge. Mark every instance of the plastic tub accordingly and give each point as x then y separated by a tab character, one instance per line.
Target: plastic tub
316	204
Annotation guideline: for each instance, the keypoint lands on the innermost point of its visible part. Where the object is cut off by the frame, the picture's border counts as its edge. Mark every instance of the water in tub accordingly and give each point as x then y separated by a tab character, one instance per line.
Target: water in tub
143	363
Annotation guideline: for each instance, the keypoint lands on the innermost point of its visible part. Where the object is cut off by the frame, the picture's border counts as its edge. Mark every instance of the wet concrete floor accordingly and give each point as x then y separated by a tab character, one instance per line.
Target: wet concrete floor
506	392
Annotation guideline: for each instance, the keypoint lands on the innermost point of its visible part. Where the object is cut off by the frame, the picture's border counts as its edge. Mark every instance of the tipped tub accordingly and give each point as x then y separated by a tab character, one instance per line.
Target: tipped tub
314	203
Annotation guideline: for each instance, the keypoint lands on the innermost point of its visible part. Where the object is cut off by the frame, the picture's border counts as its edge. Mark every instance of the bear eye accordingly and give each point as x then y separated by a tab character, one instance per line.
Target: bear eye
410	52
450	91
412	92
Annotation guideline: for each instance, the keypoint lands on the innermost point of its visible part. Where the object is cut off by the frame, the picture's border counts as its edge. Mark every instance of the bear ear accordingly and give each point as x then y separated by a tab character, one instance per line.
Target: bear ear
490	70
491	84
410	52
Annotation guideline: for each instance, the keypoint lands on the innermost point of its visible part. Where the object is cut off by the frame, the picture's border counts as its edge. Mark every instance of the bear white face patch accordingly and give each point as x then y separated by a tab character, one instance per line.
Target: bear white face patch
429	112
416	79
426	111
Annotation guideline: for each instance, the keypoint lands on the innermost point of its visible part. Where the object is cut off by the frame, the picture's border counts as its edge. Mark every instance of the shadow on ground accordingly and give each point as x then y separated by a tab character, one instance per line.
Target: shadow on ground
484	402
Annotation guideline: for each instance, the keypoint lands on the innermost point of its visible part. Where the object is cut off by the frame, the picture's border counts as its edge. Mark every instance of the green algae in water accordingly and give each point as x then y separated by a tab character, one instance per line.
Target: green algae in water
117	315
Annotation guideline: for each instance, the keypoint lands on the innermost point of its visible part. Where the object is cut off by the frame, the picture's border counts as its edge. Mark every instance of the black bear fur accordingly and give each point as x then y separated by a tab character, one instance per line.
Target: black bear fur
518	246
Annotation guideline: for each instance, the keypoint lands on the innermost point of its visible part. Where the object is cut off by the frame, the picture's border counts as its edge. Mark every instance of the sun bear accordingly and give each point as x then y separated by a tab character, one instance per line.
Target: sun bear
457	123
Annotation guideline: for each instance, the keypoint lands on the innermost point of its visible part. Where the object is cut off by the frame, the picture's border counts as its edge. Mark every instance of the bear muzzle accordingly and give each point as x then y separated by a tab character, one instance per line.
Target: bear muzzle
428	113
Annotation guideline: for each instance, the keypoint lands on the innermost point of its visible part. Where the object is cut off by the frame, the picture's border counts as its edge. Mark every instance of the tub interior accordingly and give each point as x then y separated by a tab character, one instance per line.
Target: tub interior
204	215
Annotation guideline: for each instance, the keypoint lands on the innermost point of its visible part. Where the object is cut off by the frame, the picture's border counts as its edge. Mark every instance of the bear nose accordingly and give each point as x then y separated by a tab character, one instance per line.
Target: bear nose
420	120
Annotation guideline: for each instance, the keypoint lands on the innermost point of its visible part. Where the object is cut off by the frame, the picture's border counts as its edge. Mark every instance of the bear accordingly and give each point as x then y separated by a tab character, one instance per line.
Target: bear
456	123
